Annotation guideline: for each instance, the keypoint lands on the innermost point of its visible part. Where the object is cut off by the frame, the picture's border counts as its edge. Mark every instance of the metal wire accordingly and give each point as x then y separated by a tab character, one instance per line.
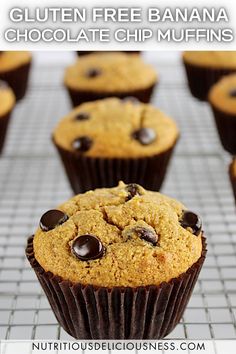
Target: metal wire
32	180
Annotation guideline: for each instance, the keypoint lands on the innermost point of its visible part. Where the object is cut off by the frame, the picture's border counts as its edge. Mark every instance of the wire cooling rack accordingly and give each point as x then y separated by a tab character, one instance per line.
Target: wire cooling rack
32	180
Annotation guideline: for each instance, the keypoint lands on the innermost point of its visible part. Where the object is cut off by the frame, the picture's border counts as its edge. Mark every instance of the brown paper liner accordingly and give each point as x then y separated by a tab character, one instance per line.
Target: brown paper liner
201	79
226	126
145	312
78	97
84	52
4	121
17	79
86	173
232	176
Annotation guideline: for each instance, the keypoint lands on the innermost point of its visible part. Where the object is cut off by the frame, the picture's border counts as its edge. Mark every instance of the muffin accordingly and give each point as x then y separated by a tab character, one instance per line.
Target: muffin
232	174
84	52
98	76
14	69
104	141
222	98
205	68
7	103
118	263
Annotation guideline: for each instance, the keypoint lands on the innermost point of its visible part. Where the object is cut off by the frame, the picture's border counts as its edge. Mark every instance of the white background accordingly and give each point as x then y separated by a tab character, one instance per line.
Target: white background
6	5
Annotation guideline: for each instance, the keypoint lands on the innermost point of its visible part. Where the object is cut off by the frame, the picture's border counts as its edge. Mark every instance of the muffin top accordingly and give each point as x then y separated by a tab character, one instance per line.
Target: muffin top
7	99
11	60
223	94
116	128
122	236
233	167
211	59
110	73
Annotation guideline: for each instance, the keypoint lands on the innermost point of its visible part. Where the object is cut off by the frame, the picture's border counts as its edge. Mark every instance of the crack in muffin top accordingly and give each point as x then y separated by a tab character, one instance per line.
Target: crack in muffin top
119	236
116	128
110	73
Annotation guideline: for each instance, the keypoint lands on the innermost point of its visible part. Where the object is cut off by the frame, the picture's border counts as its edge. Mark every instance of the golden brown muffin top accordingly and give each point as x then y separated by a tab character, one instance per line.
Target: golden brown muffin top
223	94
7	99
122	236
233	167
212	59
110	73
116	128
11	60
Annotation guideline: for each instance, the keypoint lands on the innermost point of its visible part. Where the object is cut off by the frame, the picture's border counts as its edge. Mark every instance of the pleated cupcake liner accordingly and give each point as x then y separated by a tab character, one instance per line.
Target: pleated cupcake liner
226	127
144	312
17	79
232	176
84	52
4	121
85	173
78	96
201	79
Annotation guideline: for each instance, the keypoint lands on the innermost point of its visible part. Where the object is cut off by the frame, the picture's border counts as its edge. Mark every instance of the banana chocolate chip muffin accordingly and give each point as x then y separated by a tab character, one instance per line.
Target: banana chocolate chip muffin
232	174
118	263
222	98
14	69
102	142
7	103
205	68
97	76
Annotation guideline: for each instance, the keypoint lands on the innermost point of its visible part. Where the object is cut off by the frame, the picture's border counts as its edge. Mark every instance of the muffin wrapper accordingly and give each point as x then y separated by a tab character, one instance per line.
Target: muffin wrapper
85	173
232	179
226	126
17	79
88	312
201	79
79	97
4	121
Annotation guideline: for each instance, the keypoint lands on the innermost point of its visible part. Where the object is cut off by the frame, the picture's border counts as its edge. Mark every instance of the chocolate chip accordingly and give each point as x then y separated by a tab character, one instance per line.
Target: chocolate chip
93	72
144	135
232	93
192	221
87	247
146	234
82	116
133	189
82	144
51	219
131	99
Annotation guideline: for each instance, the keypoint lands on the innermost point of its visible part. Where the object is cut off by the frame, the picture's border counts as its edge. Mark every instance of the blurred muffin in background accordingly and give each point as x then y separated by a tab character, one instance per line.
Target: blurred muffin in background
232	175
98	76
222	98
14	69
7	103
105	141
205	68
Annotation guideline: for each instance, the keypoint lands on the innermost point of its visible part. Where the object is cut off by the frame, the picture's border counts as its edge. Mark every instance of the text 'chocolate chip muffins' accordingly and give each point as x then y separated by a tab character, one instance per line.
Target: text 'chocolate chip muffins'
222	98
232	175
105	141
205	68
14	69
103	75
118	263
7	103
